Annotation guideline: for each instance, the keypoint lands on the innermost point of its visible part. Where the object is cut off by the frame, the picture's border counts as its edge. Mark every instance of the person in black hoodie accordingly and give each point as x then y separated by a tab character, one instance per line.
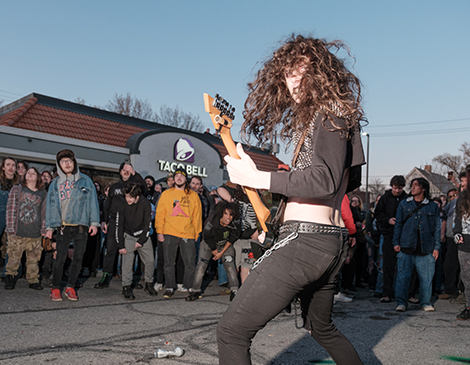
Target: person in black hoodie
133	220
113	203
385	213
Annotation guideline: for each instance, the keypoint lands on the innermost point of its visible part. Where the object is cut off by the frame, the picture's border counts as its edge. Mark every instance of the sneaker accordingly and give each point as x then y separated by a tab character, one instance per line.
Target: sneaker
104	282
158	286
56	295
428	308
195	295
137	286
127	292
224	291
47	281
9	282
465	315
70	294
340	297
149	289
445	296
413	300
349	291
35	286
459	300
385	300
182	289
168	294
400	308
233	293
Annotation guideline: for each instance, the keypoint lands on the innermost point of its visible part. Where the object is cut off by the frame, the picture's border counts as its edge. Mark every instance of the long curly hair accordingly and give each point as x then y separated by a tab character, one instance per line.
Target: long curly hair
463	202
327	86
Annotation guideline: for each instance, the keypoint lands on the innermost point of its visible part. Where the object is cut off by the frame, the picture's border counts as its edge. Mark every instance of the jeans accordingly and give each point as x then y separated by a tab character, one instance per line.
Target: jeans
379	286
425	266
65	236
464	259
146	255
205	255
188	254
307	266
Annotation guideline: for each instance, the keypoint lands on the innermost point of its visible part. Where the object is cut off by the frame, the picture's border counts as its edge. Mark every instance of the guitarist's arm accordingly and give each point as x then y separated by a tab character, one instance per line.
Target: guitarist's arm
250	175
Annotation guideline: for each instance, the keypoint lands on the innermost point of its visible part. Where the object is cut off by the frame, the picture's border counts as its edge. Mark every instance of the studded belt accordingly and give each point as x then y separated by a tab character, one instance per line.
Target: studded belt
305	227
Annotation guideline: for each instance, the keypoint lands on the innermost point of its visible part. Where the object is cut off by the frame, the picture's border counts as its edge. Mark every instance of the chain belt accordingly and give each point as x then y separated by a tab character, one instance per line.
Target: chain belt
304	227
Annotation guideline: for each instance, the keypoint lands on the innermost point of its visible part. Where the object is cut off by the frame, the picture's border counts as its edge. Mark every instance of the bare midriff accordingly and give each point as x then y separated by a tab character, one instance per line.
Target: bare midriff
322	211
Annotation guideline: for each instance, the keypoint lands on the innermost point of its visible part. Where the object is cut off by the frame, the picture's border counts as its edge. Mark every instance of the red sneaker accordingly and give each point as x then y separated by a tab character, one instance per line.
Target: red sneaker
70	294
56	295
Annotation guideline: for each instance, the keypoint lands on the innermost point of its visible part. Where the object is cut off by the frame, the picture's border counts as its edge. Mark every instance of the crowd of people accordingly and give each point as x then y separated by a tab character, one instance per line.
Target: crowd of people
404	248
58	225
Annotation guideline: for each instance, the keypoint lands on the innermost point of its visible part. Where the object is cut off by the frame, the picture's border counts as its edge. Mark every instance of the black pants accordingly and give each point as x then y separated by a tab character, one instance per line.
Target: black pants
390	265
111	247
65	236
451	267
308	266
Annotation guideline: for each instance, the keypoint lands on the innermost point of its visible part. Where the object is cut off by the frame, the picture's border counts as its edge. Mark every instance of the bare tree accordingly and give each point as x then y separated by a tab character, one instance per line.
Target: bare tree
80	101
465	149
131	106
1	102
175	117
452	162
376	187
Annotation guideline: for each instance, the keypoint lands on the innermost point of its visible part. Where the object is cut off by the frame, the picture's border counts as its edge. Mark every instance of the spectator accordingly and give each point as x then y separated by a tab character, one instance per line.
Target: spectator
8	178
219	234
178	224
462	239
26	216
114	201
46	178
386	212
416	240
133	221
72	209
21	168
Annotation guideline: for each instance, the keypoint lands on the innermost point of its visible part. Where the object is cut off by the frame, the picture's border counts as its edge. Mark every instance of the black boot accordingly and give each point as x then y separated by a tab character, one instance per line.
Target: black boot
127	292
104	282
149	289
9	282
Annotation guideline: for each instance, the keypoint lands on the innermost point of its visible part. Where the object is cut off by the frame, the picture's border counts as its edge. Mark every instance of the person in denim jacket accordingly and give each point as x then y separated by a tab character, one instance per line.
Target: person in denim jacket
72	209
416	250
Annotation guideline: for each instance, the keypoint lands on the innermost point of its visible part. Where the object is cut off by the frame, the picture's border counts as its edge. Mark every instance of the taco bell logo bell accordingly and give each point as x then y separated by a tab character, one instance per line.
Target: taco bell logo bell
184	150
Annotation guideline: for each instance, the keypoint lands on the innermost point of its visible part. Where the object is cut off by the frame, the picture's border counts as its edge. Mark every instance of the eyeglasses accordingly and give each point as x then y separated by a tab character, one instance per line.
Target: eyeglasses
452	196
66	162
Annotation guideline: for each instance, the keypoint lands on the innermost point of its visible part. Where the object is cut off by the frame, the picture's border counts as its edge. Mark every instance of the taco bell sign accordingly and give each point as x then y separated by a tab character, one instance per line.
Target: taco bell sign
184	150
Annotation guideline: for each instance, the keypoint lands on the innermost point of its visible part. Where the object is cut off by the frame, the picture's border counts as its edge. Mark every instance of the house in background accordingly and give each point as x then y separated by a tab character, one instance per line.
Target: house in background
439	185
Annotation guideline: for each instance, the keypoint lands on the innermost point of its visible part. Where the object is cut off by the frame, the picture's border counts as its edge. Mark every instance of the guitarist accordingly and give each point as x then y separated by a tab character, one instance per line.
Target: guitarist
306	90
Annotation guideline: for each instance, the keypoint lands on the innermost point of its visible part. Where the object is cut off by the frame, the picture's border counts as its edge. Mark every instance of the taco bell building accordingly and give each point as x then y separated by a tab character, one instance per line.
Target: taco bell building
36	127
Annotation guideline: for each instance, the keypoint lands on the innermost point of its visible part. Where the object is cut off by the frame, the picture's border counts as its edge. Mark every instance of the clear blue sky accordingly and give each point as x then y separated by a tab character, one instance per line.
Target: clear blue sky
411	56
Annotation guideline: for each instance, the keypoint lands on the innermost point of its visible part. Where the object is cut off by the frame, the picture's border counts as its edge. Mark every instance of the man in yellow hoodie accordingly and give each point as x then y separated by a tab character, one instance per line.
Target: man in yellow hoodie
178	223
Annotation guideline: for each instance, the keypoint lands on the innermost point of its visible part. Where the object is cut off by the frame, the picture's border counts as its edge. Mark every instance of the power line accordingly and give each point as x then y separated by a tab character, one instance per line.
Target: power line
418	133
419	123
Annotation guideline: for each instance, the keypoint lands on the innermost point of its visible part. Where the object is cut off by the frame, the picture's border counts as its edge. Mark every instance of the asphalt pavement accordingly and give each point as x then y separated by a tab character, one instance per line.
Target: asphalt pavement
104	328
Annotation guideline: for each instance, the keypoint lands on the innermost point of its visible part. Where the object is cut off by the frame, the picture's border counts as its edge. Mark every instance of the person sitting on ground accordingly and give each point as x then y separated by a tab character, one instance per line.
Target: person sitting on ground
219	234
133	221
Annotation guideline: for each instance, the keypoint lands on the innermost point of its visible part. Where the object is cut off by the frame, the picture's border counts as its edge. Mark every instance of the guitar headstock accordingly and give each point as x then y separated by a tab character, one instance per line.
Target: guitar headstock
221	112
